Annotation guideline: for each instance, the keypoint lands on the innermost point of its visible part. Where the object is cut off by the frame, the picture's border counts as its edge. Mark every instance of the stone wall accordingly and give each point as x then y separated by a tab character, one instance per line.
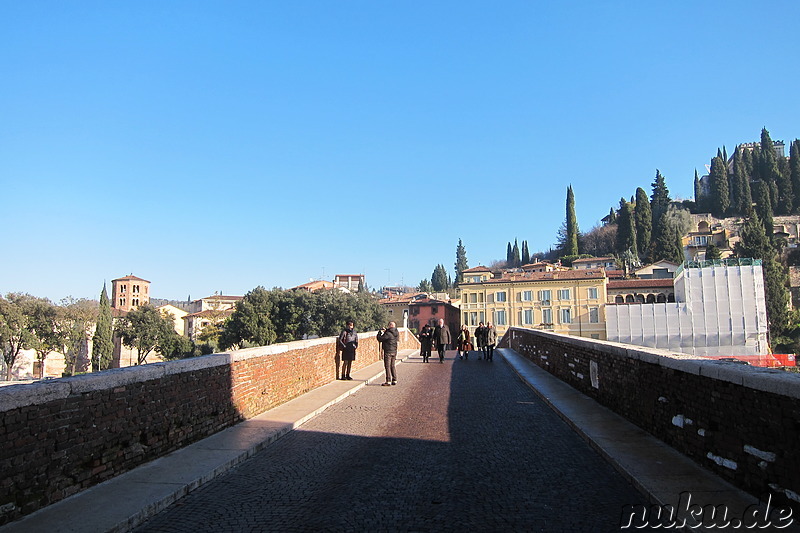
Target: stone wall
60	436
739	421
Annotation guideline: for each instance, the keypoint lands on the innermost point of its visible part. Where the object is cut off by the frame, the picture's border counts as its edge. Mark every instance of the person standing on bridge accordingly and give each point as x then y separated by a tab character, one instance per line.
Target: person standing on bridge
491	340
388	338
480	340
442	338
464	342
425	341
348	342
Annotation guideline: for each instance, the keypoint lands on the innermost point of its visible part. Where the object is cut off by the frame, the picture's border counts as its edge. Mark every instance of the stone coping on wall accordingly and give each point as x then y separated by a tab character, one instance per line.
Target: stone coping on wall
14	395
762	379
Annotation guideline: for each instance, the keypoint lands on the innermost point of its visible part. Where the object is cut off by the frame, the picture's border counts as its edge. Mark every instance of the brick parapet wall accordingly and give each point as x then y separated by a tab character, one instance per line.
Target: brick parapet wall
741	422
60	436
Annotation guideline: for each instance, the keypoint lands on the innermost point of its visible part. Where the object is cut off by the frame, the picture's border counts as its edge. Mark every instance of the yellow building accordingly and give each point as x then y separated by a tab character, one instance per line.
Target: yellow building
570	302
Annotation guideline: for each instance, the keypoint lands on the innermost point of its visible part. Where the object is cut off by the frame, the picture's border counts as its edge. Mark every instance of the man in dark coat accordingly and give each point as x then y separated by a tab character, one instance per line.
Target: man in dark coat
441	337
388	338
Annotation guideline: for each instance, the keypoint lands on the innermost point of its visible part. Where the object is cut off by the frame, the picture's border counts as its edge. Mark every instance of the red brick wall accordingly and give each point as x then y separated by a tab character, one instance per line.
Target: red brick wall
705	409
61	436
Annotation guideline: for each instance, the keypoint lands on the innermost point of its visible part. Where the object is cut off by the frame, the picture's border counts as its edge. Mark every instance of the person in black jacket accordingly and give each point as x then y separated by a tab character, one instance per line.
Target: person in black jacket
348	342
425	342
388	338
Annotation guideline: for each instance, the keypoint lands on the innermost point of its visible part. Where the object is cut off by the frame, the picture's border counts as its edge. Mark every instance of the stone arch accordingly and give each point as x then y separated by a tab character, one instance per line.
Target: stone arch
661	298
702	226
671	298
619	299
639	298
629	299
651	299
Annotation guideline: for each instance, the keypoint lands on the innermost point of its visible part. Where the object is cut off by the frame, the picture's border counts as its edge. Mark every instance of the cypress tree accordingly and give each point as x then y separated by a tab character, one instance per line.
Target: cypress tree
794	173
461	261
509	255
626	229
515	252
698	194
439	280
720	196
644	222
571	247
659	201
102	344
764	206
612	216
741	181
785	190
712	252
526	255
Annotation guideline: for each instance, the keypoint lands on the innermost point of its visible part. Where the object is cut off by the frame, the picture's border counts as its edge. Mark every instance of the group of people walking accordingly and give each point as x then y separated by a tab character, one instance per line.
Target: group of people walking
485	338
438	336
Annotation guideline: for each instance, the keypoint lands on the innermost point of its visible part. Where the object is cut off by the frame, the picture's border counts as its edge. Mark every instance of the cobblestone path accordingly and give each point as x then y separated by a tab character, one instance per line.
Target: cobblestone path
460	446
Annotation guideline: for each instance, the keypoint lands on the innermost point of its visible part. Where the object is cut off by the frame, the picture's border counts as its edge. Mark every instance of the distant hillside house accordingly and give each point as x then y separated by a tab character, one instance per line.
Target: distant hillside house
594	262
349	281
315	285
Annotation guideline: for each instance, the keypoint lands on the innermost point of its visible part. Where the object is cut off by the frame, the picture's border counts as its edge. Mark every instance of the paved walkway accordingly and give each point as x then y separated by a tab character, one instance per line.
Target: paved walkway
460	445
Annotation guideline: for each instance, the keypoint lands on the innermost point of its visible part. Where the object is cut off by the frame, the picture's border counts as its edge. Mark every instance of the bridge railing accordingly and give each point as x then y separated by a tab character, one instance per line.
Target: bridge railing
60	436
741	422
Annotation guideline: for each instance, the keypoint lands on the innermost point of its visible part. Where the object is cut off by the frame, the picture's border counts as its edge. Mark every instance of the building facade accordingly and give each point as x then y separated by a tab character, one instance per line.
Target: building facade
569	302
129	293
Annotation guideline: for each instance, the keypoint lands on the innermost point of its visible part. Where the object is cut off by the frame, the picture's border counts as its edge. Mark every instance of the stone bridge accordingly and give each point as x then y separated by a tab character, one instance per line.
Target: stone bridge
556	434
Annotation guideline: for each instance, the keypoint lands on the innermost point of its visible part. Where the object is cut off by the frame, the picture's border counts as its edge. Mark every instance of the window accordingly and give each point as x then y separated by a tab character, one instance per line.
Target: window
135	302
566	316
500	317
527	316
122	289
122	302
547	316
594	315
136	289
473	298
545	297
475	279
592	293
434	309
500	296
563	294
527	296
473	319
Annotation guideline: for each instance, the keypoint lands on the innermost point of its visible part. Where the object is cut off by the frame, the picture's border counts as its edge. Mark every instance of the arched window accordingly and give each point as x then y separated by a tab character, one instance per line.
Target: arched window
671	297
640	298
619	299
661	298
702	226
651	298
629	299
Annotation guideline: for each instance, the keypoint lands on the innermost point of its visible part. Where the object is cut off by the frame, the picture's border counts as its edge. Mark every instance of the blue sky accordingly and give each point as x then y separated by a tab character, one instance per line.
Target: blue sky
218	146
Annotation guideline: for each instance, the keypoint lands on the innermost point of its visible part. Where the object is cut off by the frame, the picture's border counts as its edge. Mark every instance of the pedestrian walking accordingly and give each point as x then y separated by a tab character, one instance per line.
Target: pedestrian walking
347	343
425	342
491	340
480	340
388	338
442	338
464	342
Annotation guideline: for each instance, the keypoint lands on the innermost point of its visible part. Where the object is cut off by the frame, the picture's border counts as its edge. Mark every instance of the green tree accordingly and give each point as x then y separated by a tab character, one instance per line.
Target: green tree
699	200
763	206
720	195
76	319
516	255
712	252
675	223
612	216
626	229
102	343
15	335
509	255
461	261
43	323
794	173
643	217
571	244
659	202
145	329
439	279
526	255
784	185
250	322
742	196
425	286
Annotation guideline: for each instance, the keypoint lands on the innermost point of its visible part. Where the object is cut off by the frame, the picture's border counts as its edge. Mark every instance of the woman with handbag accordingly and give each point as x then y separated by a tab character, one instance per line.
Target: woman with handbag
464	342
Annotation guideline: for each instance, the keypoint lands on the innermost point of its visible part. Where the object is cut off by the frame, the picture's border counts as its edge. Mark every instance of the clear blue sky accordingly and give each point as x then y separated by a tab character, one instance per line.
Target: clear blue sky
211	146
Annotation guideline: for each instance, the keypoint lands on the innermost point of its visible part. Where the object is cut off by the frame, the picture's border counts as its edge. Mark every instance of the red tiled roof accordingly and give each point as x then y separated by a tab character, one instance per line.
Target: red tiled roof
511	277
477	269
593	259
130	278
659	283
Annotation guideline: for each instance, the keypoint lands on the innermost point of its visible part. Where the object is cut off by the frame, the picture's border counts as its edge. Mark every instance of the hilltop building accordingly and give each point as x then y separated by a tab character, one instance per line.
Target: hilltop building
129	292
